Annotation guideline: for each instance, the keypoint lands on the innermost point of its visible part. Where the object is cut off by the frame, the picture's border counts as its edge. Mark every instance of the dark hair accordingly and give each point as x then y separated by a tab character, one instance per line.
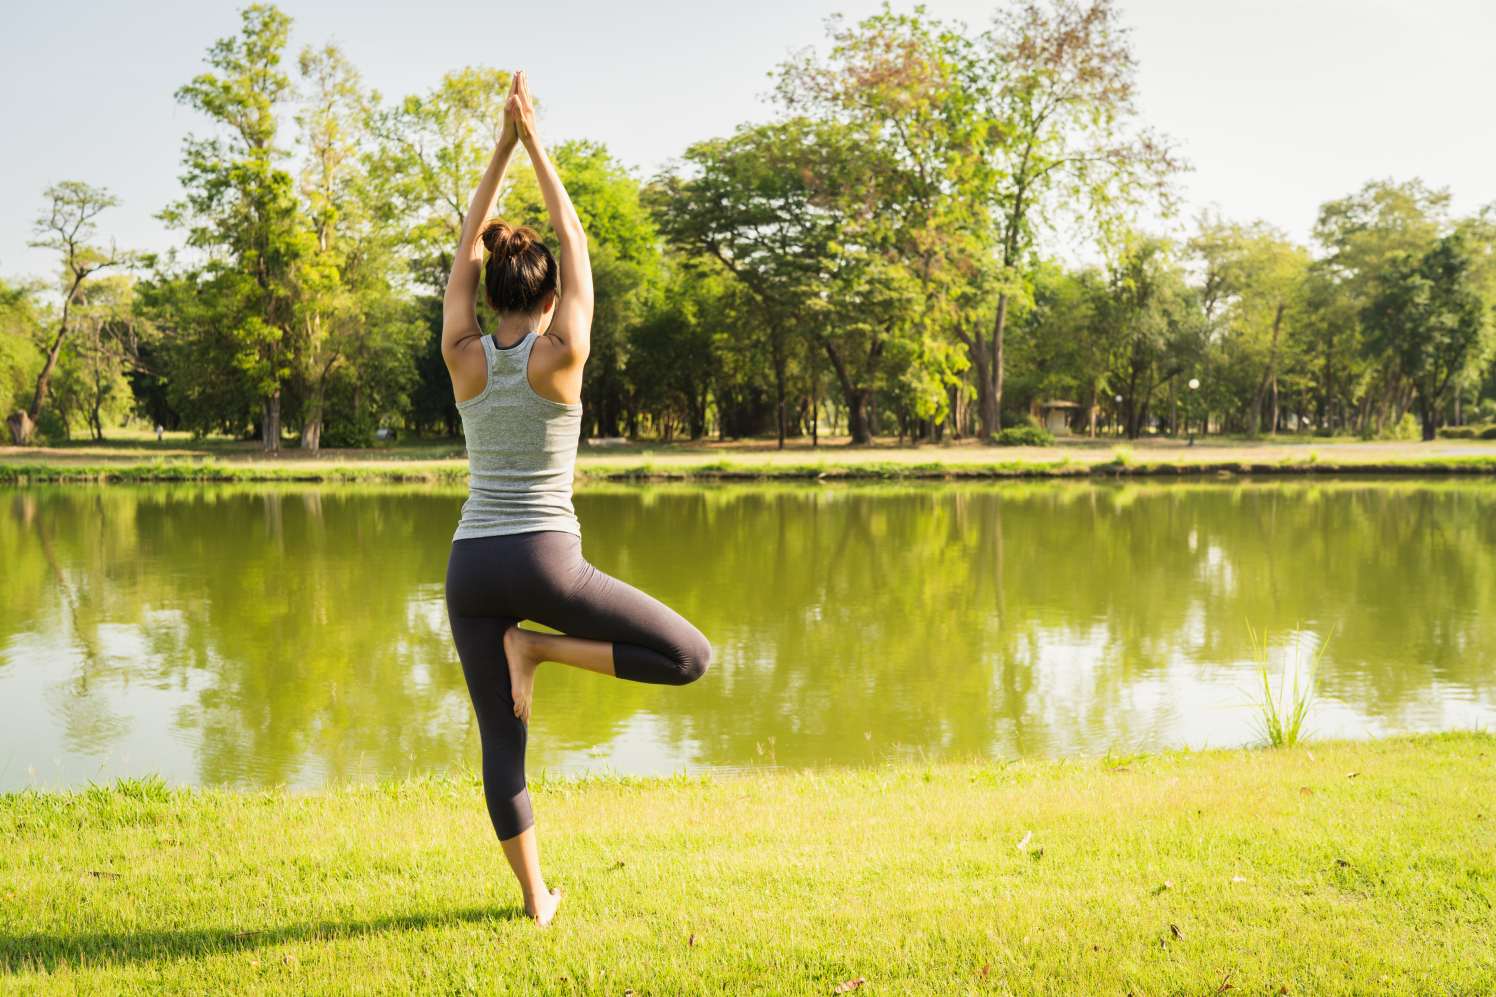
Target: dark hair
520	269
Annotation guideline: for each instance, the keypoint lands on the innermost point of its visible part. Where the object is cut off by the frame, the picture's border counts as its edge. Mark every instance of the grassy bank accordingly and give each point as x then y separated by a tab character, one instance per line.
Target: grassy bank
1337	868
750	462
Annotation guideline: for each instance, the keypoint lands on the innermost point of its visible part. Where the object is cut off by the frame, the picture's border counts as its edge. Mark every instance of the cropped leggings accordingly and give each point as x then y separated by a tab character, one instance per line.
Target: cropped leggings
493	583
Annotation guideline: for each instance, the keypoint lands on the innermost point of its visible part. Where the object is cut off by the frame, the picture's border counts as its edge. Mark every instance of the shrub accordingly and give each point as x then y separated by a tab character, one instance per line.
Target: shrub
345	431
1406	428
1023	436
1489	433
1458	432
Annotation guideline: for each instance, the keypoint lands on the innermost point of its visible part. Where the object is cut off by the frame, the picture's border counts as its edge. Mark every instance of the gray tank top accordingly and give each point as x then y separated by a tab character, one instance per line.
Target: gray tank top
522	450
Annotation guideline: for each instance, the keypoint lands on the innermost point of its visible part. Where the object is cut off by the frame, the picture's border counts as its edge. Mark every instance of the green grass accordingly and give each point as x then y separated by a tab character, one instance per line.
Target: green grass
645	467
1335	868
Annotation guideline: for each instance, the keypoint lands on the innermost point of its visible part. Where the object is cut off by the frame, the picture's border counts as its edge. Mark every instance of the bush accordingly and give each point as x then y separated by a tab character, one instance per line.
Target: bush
348	431
1023	436
1489	433
1459	432
1406	428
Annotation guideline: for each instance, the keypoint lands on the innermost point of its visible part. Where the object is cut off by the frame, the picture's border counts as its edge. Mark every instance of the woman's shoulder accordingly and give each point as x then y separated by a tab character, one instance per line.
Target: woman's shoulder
555	372
468	361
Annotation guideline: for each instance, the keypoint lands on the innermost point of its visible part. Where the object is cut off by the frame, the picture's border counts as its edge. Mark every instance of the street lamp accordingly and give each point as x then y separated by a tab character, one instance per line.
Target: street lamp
1194	393
1119	415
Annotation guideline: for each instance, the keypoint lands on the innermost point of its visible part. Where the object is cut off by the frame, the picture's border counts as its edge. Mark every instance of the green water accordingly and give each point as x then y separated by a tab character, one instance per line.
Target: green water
281	634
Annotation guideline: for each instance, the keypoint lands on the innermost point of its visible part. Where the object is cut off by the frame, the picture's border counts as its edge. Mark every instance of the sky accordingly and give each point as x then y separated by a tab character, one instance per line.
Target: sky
1277	105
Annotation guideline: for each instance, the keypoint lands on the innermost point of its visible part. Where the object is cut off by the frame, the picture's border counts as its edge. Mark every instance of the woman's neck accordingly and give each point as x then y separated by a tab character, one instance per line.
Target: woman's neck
512	328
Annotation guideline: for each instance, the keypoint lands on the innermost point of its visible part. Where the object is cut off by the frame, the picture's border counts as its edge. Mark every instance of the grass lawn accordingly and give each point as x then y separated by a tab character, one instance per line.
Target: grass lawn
444	460
1325	869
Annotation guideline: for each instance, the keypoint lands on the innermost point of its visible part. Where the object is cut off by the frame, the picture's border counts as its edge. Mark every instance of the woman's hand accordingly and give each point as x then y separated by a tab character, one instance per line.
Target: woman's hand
520	109
508	133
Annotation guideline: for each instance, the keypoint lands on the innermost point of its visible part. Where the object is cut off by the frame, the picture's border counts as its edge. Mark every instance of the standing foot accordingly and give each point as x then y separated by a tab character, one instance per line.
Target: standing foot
544	907
523	655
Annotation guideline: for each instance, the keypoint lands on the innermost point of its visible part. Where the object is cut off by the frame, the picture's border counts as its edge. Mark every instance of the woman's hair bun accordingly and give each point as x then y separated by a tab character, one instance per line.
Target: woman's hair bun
503	239
520	270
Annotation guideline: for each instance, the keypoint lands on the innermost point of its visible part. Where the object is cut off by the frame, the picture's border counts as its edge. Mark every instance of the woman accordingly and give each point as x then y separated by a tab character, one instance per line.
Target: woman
517	551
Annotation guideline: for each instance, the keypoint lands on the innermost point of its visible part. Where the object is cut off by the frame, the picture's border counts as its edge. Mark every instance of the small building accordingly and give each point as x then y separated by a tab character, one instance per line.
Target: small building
1056	415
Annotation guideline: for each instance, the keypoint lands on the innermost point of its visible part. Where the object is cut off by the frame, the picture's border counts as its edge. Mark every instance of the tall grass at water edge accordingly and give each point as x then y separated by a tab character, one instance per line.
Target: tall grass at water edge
1282	716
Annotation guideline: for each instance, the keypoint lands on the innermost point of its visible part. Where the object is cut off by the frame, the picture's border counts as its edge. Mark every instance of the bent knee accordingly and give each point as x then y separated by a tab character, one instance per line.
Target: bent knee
695	658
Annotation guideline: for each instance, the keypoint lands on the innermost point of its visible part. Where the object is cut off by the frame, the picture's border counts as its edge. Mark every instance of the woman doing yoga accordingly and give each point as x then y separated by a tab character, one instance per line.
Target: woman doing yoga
517	551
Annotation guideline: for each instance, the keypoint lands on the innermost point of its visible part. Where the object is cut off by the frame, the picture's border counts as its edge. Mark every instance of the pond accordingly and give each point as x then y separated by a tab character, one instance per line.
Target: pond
258	635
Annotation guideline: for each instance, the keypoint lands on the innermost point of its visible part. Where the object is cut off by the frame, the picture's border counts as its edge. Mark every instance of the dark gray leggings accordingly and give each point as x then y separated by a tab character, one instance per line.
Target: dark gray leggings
493	583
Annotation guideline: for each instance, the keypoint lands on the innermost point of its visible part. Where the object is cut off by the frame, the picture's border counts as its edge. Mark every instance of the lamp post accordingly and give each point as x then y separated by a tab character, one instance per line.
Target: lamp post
1119	415
1194	394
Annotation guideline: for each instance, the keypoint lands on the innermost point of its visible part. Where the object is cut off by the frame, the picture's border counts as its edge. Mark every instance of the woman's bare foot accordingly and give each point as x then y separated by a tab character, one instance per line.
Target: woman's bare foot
523	655
544	908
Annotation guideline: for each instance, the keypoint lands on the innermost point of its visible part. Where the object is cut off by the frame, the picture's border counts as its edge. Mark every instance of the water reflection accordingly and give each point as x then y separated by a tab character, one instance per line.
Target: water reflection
275	634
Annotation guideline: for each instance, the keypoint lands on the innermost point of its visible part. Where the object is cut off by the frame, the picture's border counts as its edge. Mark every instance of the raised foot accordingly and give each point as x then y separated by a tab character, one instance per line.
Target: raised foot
523	657
544	908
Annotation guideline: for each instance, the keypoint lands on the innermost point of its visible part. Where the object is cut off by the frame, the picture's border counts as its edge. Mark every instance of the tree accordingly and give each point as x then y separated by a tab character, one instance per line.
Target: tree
1429	317
893	169
1253	276
748	204
1361	236
672	355
427	155
68	228
93	388
354	336
331	119
240	210
22	313
1058	346
1059	80
1154	325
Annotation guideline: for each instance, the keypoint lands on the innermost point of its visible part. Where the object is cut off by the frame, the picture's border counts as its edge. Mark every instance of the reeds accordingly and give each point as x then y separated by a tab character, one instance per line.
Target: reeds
1281	716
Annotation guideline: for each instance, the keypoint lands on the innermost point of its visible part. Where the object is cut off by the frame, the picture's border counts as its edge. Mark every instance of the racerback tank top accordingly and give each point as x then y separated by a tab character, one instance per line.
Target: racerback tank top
522	451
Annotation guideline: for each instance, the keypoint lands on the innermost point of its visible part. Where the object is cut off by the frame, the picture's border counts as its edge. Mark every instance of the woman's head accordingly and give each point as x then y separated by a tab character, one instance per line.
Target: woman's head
520	275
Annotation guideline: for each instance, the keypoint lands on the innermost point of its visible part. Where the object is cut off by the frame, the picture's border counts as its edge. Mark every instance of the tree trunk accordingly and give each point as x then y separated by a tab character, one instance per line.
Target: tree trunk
857	416
1269	377
992	412
981	367
311	427
21	426
779	377
1273	425
815	411
270	427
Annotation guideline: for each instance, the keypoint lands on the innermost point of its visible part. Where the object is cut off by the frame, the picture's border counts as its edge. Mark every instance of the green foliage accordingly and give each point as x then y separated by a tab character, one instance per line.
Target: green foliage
240	210
866	255
1405	428
22	315
1428	317
1024	436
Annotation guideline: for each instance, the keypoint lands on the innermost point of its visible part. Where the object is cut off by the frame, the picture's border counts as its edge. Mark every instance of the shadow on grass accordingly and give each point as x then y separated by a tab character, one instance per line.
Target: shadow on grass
21	953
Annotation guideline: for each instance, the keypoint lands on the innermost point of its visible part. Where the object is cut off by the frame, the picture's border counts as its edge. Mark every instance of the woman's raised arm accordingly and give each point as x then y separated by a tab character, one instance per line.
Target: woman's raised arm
460	329
572	325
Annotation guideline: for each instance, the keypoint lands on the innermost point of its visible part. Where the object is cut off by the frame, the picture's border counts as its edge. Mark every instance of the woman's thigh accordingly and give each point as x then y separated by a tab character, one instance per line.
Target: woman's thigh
601	607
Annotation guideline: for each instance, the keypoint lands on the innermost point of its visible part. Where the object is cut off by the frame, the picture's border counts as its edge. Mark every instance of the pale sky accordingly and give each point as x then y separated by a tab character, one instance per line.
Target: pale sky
1278	105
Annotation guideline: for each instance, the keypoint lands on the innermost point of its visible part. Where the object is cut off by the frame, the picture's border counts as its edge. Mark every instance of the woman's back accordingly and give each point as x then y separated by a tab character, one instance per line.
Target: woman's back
522	451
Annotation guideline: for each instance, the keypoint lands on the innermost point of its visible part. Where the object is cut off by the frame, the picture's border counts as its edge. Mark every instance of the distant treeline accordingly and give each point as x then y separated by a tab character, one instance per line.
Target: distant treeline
878	258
